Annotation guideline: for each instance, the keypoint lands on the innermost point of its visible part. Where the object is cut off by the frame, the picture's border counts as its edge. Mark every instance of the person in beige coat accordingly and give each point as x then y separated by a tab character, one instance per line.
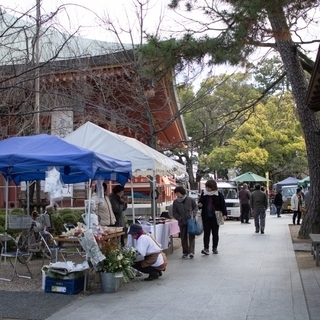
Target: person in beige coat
296	205
104	210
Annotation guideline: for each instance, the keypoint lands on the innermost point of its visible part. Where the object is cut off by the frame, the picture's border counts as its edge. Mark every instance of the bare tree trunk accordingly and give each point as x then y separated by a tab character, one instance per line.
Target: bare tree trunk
309	121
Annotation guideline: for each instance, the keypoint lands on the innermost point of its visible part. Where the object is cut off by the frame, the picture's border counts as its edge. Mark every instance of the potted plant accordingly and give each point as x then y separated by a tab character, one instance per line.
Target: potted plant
116	266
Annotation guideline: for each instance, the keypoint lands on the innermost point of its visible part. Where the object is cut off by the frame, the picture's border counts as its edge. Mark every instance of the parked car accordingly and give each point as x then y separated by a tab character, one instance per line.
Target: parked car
230	193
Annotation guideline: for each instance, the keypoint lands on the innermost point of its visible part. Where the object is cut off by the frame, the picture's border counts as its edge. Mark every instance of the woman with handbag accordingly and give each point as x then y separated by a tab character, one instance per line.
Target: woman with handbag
183	209
213	212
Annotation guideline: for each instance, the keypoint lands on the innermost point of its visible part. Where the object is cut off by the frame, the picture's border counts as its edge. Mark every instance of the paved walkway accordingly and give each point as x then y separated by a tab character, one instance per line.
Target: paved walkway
254	277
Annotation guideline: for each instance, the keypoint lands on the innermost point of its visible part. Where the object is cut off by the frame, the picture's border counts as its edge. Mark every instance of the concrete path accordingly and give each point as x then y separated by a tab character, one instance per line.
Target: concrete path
254	277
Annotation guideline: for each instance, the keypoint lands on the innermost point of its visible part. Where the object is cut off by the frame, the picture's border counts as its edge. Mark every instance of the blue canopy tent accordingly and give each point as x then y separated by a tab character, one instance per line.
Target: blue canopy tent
286	182
28	158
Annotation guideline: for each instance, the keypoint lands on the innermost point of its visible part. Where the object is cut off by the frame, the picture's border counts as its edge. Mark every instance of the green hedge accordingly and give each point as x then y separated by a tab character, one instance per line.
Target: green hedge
65	216
58	218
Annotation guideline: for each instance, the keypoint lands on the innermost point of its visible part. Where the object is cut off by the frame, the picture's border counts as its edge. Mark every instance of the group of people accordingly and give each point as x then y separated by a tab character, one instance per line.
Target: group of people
110	209
257	201
211	201
299	202
185	208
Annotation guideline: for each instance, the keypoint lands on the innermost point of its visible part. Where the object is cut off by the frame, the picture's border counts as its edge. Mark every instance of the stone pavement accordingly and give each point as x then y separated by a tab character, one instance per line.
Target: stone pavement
31	305
254	277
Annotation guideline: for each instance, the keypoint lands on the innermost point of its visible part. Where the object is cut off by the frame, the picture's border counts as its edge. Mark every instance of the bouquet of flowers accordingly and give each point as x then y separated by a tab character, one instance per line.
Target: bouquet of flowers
118	260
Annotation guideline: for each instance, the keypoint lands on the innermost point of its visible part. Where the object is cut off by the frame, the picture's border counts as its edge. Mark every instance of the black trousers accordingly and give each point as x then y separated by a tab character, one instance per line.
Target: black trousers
296	214
245	210
279	210
210	225
149	270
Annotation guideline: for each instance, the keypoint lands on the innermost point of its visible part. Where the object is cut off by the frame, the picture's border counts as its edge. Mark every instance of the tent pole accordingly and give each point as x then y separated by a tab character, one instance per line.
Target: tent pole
7	207
89	205
7	212
86	278
132	203
154	202
28	198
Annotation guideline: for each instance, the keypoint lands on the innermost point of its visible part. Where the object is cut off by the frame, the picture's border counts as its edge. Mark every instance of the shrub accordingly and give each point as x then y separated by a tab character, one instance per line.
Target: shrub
65	216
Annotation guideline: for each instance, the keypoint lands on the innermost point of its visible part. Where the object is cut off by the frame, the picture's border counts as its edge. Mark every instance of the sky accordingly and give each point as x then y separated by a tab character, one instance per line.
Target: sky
89	16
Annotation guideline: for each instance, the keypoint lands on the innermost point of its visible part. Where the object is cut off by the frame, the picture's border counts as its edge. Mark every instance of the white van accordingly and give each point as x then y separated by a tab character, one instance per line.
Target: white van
230	193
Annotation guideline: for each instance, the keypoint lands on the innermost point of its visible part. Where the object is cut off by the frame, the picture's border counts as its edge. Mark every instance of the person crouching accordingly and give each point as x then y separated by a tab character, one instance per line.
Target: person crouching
154	262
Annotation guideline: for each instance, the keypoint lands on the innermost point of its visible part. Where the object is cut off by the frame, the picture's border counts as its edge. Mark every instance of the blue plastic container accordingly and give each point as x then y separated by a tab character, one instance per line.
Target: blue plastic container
64	286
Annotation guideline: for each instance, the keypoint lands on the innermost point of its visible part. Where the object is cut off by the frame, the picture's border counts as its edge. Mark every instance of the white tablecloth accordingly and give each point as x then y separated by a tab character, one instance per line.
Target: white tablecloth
161	232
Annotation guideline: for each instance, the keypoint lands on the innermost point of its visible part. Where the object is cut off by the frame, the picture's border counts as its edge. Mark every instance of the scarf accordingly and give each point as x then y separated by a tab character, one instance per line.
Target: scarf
181	199
210	193
140	234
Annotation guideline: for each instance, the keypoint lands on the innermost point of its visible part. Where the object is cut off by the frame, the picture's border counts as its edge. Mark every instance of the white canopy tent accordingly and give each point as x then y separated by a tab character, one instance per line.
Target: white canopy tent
145	160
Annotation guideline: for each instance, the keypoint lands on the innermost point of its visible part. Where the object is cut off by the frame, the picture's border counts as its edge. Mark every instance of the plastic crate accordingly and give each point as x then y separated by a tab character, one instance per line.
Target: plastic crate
20	221
64	286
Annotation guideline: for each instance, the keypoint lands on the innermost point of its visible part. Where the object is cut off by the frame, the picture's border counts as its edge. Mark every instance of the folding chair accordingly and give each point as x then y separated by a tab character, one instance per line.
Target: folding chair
76	247
10	251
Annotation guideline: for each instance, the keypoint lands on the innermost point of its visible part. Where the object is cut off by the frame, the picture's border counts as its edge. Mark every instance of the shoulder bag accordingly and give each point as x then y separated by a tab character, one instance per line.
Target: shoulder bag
194	228
219	216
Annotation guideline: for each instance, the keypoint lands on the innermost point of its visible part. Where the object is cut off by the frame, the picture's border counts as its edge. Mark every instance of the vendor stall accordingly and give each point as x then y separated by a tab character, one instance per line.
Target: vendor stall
146	161
28	158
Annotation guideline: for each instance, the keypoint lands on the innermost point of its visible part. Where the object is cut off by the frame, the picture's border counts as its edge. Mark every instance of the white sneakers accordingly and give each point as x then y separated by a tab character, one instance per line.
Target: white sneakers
185	256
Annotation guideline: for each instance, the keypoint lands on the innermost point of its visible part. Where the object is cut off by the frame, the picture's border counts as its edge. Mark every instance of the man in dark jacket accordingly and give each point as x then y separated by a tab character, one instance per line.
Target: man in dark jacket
244	197
278	201
119	205
259	204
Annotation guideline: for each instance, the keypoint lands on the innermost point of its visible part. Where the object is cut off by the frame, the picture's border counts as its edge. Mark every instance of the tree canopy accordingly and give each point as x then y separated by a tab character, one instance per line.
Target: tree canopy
269	141
230	31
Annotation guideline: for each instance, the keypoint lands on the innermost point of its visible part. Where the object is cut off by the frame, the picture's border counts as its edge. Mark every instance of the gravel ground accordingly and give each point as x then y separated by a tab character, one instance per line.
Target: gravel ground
35	284
35	265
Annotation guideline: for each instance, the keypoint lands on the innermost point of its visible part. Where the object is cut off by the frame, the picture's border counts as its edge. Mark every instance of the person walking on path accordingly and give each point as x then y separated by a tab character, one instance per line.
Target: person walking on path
259	204
184	208
244	198
211	200
296	204
278	202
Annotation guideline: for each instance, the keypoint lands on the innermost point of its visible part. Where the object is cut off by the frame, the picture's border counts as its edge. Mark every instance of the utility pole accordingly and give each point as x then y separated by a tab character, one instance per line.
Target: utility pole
37	72
37	89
